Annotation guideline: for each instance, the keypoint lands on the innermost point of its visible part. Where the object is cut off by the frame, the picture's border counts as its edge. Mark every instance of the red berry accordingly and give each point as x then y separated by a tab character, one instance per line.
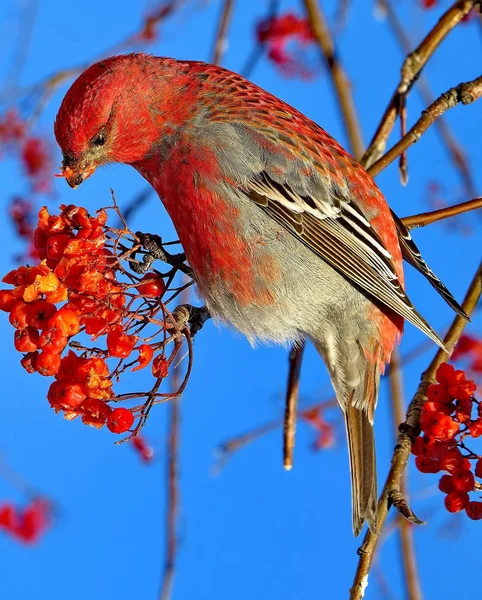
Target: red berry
7	300
446	485
120	344
438	393
56	244
463	480
452	460
456	501
160	367
120	420
474	510
475	428
427	465
478	468
154	286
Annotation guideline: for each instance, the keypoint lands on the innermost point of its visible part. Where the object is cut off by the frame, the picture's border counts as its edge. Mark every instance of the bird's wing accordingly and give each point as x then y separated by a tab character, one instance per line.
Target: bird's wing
412	255
338	232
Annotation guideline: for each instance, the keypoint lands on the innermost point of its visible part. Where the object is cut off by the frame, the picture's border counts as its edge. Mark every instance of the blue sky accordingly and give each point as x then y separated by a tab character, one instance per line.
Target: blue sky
253	530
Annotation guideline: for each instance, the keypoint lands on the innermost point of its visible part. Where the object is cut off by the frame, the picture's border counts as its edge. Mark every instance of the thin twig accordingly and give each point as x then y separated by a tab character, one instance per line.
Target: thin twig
289	430
412	66
464	93
338	76
259	48
426	218
408	431
456	152
407	549
221	39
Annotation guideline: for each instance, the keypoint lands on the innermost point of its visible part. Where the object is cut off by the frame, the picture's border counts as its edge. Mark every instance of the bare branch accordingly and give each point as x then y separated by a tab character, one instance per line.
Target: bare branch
338	76
407	433
412	66
221	39
411	579
464	93
426	218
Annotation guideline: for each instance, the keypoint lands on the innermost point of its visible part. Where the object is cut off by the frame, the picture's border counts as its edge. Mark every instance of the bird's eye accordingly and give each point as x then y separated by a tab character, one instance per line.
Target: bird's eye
99	140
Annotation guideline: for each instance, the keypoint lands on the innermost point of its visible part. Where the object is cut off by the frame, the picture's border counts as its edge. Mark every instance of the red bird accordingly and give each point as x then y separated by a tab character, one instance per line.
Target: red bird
288	236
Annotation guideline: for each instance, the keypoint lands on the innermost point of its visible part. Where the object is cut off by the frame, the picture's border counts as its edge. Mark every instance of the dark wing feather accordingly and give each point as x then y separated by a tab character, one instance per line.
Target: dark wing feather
344	239
412	255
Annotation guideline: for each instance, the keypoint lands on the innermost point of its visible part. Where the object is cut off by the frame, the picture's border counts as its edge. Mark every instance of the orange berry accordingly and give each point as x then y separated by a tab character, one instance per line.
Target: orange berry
39	313
26	339
52	340
94	412
160	368
65	395
120	344
29	362
65	320
48	364
18	314
145	356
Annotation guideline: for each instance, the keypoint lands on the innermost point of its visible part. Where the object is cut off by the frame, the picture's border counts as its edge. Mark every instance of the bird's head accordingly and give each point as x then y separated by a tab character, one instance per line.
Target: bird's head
109	115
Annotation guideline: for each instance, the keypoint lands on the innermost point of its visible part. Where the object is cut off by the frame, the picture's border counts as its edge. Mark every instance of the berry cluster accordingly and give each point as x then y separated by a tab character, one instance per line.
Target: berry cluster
28	524
80	287
277	32
450	417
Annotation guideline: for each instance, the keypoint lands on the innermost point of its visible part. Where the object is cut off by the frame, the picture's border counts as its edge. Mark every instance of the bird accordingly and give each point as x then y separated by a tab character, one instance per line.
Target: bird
288	236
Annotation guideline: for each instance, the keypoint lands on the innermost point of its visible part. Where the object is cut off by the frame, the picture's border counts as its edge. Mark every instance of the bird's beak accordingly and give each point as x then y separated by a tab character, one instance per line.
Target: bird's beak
75	174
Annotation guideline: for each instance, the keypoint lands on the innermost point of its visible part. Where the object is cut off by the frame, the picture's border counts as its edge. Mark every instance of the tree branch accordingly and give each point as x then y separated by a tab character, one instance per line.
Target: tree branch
464	93
338	76
407	433
412	66
427	218
221	40
455	151
407	549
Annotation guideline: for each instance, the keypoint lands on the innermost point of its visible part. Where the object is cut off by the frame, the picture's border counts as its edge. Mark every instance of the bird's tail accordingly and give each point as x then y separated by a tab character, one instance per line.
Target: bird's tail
355	379
363	470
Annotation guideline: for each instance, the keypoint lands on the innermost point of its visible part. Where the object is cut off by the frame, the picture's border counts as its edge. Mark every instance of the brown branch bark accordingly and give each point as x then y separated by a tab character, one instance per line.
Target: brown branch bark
221	40
454	149
412	66
407	550
289	430
338	76
426	218
464	93
407	433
